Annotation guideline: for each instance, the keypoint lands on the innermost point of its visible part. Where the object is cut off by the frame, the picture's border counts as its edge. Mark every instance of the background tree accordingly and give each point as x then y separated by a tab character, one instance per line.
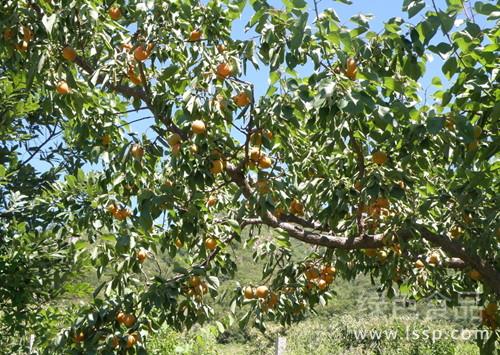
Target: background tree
343	151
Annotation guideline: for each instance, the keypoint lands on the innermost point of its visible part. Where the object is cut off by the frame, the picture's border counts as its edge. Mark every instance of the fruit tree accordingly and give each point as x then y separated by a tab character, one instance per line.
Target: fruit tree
348	147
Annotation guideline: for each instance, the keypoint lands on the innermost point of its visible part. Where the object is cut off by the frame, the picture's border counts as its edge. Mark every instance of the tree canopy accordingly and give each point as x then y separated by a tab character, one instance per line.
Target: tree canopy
346	150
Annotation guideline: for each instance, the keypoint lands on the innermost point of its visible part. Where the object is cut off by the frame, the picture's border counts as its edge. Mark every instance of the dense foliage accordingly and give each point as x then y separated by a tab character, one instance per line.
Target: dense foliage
345	150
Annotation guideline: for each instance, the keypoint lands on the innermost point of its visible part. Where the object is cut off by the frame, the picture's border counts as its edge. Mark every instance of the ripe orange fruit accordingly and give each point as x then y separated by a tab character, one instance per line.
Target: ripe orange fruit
210	243
106	139
217	167
131	341
221	48
311	273
134	78
178	243
455	231
475	275
129	320
8	34
127	46
115	13
193	148
433	259
173	139
273	300
142	53
212	200
255	154
382	203
352	69
322	284
137	151
224	70
69	53
296	207
265	162
79	337
27	34
22	47
63	88
248	292
198	127
261	292
379	158
329	270
419	264
194	281
328	278
142	255
195	36
115	341
120	317
241	99
491	309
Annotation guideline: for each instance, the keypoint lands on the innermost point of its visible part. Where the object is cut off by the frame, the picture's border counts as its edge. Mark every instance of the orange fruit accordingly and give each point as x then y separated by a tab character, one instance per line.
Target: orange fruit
193	148
329	270
328	278
120	317
210	243
248	292
127	46
131	341
115	341
322	284
475	275
22	47
69	53
27	34
217	167
134	78
63	88
221	48
311	273
351	69
173	139
265	162
273	300
115	13
261	292
224	70
178	243
194	36
433	259
241	99
212	200
79	337
379	158
419	264
106	139
129	320
198	127
296	207
142	53
8	34
194	281
255	154
141	256
137	151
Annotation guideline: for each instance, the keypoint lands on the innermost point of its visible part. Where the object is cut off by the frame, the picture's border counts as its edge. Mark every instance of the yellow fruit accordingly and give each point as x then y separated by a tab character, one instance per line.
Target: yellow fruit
351	69
173	139
382	255
217	167
129	320
379	158
475	275
63	88
69	53
242	99
322	284
178	243
115	13
106	139
194	36
210	243
224	70
265	162
137	151
433	259
194	281
261	292
248	292
212	200
296	207
193	148
255	154
198	127
419	264
142	53
455	231
131	341
79	337
141	256
27	34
